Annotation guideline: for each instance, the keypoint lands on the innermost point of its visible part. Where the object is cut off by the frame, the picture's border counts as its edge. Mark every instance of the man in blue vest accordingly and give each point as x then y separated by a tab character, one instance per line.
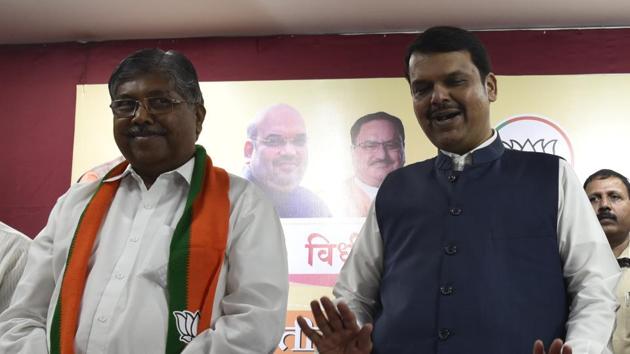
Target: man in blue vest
478	250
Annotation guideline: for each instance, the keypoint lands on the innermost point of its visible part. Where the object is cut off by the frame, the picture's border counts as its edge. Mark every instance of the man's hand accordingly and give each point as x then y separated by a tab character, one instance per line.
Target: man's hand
556	347
340	333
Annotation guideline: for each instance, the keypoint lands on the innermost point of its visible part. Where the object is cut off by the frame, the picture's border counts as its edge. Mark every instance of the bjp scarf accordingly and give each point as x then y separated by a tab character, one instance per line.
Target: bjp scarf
196	255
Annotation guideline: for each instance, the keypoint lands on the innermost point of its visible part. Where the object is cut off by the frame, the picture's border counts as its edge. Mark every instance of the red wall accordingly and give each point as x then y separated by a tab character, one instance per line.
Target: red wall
37	87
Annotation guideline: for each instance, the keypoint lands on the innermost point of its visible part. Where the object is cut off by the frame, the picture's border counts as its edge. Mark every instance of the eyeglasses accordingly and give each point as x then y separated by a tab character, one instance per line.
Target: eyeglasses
127	107
372	146
276	141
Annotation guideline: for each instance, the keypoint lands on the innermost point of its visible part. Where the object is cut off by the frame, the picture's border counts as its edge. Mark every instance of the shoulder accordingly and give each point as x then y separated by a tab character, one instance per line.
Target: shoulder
531	156
531	163
12	240
246	195
306	194
243	188
79	194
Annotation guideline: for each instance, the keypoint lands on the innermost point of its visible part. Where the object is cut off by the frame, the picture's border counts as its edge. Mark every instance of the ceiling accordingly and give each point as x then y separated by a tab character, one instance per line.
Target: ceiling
40	21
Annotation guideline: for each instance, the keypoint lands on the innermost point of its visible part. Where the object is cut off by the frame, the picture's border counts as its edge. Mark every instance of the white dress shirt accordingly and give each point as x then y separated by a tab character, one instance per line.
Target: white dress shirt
13	249
370	191
621	336
125	308
589	267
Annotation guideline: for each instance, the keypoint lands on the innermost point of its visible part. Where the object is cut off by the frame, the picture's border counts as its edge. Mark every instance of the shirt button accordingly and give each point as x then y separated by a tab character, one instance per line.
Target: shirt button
452	178
455	211
450	250
446	290
148	206
444	333
102	319
119	275
134	239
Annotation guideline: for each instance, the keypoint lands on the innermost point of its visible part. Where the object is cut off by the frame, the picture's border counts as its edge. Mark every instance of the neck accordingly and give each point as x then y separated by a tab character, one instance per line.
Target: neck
619	247
148	175
269	188
487	137
148	181
371	184
466	150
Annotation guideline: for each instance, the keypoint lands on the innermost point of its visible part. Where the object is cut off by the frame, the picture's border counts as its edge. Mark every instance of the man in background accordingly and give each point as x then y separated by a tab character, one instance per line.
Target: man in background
609	193
378	148
276	155
13	249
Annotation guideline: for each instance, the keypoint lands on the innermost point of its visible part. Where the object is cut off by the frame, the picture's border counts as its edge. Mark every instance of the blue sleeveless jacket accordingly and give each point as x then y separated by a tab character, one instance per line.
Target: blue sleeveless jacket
470	258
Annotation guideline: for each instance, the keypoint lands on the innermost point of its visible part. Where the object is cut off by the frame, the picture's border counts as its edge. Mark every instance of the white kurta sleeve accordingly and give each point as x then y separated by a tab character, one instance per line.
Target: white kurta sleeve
23	324
253	307
590	270
13	251
359	279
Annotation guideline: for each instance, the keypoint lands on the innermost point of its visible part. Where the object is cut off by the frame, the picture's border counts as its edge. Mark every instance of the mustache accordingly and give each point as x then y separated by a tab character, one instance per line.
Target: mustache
442	106
286	159
144	130
606	215
381	162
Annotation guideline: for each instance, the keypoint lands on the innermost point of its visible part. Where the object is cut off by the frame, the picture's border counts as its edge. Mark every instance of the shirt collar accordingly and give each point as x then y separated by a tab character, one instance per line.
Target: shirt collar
185	171
487	151
625	253
369	190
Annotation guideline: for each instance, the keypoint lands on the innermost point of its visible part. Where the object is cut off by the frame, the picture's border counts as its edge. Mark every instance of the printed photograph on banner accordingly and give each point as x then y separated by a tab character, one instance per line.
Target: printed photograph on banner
276	157
320	149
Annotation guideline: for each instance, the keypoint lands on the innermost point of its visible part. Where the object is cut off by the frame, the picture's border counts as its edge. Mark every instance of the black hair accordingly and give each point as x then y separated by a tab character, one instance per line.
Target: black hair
444	39
395	121
172	63
606	173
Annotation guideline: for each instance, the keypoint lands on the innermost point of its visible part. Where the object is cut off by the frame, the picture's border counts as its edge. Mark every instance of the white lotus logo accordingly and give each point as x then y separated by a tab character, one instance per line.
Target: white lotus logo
539	145
186	324
537	134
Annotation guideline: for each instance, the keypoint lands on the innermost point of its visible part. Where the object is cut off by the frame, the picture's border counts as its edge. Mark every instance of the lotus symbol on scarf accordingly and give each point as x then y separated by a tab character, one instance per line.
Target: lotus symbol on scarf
539	145
186	322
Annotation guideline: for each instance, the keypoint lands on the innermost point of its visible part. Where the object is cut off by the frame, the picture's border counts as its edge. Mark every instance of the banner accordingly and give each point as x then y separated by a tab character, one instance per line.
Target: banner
322	182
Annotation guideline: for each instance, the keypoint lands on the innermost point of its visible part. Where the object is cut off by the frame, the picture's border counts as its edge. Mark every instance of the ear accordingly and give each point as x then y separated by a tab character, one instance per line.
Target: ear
491	87
402	156
248	149
200	115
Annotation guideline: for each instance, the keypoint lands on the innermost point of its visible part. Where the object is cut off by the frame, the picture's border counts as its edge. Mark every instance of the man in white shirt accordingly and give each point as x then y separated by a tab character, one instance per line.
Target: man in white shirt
478	250
609	193
13	248
166	254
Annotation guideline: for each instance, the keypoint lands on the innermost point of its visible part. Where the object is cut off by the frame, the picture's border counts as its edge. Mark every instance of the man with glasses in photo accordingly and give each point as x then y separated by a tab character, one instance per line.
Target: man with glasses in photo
378	148
277	155
161	255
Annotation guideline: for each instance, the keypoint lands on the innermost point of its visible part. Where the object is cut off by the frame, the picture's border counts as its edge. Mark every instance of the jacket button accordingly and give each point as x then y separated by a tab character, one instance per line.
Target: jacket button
455	211
452	178
450	250
446	290
444	333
